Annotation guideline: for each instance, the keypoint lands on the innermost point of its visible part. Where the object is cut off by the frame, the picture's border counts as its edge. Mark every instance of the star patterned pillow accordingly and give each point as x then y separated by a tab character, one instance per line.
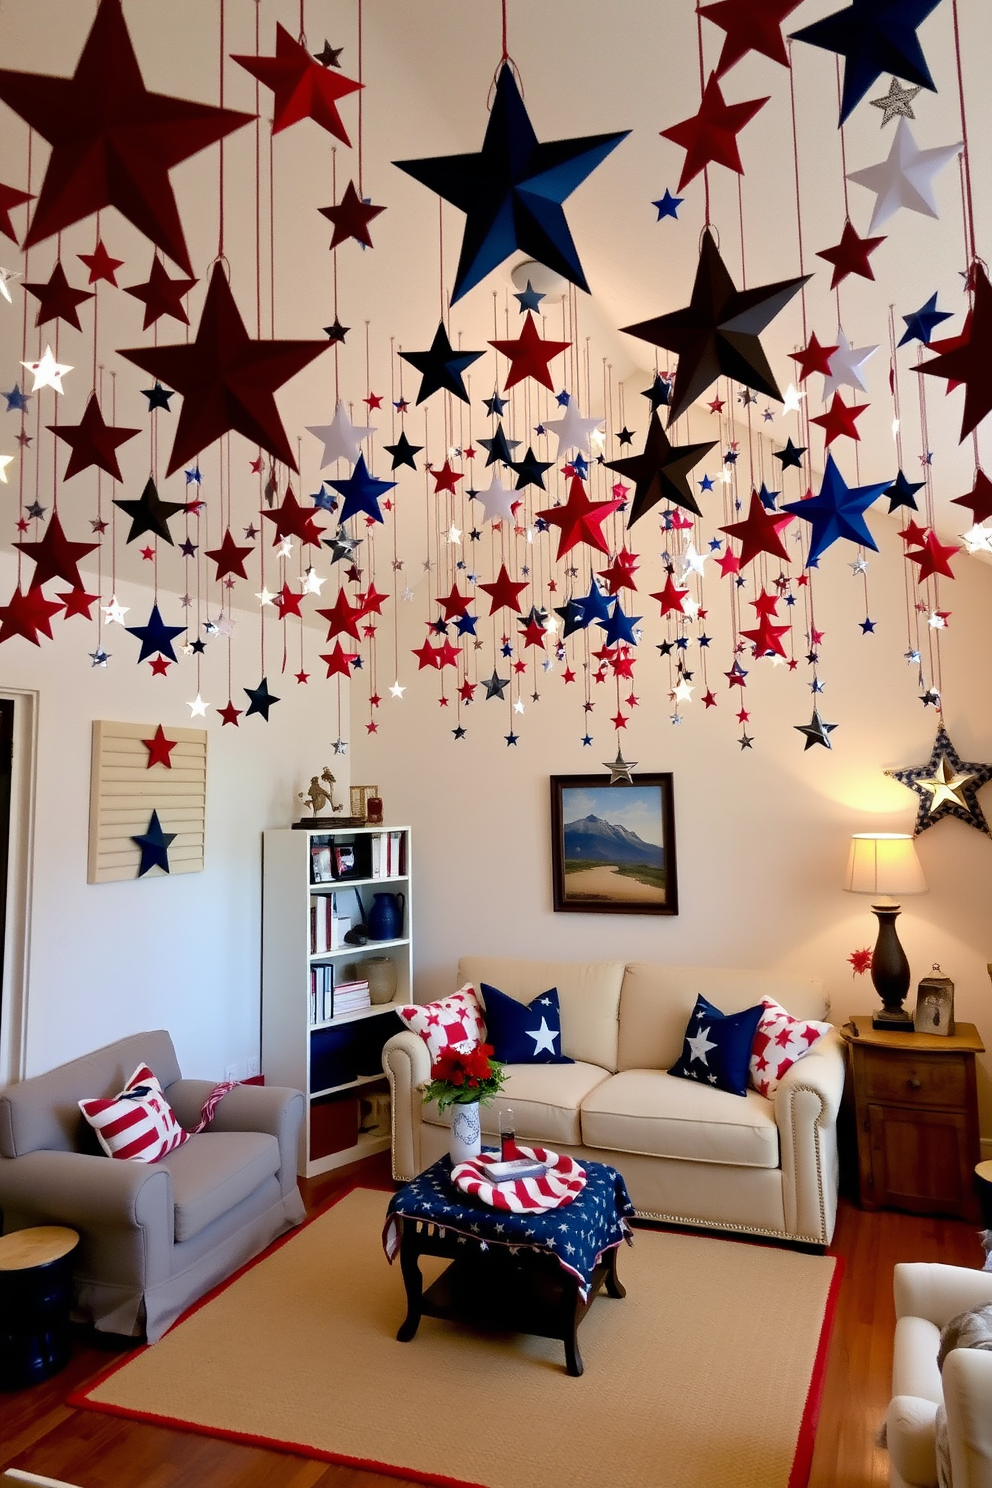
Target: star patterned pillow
717	1047
524	1033
454	1021
780	1040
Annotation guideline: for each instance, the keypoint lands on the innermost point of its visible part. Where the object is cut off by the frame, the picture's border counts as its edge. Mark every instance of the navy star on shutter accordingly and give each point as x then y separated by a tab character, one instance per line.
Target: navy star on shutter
154	846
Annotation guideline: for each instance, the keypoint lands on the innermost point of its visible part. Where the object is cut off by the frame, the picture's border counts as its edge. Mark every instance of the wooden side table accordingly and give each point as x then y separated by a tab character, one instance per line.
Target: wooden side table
916	1111
35	1298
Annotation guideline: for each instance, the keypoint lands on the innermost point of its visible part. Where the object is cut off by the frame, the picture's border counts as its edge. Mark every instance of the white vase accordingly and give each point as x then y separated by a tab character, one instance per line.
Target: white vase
466	1132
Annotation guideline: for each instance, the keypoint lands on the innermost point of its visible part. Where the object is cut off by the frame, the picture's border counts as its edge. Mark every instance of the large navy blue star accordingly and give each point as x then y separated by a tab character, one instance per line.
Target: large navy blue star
260	699
838	511
154	846
874	37
512	190
920	325
361	492
441	367
620	627
902	492
530	470
156	636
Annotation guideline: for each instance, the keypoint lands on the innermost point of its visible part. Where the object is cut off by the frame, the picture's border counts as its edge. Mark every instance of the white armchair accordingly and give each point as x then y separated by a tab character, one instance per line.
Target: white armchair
927	1296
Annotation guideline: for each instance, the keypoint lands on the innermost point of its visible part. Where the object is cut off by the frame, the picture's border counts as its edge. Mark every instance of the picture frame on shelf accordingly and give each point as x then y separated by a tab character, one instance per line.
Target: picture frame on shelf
613	847
343	858
321	870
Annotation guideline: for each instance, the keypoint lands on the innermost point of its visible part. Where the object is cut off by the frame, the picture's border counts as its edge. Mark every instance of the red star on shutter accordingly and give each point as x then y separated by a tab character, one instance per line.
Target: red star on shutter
529	355
579	520
302	89
933	557
813	358
454	604
226	379
338	661
351	217
839	419
850	255
751	26
113	142
342	617
27	614
159	749
57	300
671	598
100	264
55	557
287	602
161	295
503	593
711	134
968	363
445	478
11	197
293	520
93	442
758	533
229	558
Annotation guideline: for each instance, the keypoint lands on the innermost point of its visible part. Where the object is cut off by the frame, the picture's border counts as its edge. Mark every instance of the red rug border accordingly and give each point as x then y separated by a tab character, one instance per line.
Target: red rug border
79	1399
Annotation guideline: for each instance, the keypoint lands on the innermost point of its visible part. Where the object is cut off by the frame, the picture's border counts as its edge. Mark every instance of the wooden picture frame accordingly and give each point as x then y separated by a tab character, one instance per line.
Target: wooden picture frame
613	846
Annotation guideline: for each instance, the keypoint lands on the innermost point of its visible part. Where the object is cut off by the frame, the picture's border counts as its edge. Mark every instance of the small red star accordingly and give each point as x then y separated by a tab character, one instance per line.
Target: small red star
711	134
27	614
373	401
743	716
148	554
850	255
371	600
534	634
373	728
913	532
255	466
454	605
302	89
159	749
338	661
342	617
351	217
303	678
77	602
230	714
840	419
671	598
100	264
933	557
716	406
503	592
57	300
161	295
529	355
93	442
293	520
813	358
467	690
519	666
374	700
288	602
229	558
159	666
445	478
709	700
568	675
618	721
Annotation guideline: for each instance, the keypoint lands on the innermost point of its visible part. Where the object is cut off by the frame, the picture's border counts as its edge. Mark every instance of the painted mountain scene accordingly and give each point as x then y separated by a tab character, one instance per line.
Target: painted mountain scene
613	845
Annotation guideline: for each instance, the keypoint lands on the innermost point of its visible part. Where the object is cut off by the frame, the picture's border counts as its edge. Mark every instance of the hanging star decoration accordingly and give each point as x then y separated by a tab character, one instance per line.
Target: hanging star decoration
55	557
946	785
100	264
710	136
226	379
512	191
342	440
92	441
260	700
579	520
660	472
620	769
905	177
302	88
667	205
161	295
57	300
873	37
403	452
979	499
10	197
920	325
113	142
529	355
717	333
154	845
351	217
759	533
361	492
573	432
850	255
156	637
837	511
47	372
150	513
27	614
441	367
229	557
897	103
902	492
755	26
968	361
816	731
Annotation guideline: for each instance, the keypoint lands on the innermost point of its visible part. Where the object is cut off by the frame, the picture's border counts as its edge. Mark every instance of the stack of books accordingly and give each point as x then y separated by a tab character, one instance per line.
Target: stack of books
350	997
388	854
321	994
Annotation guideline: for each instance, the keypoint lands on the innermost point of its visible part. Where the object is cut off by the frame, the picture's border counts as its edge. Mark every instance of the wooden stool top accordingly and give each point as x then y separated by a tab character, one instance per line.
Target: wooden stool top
39	1246
984	1171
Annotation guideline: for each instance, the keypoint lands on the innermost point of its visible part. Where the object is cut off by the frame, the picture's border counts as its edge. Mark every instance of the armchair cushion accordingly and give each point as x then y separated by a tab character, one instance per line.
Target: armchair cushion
213	1172
137	1124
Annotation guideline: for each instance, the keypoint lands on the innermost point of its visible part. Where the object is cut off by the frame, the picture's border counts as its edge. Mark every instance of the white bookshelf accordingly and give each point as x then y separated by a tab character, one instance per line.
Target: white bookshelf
296	1051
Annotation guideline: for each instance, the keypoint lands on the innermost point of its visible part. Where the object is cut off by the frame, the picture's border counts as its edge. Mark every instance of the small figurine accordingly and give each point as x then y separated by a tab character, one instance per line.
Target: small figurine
317	798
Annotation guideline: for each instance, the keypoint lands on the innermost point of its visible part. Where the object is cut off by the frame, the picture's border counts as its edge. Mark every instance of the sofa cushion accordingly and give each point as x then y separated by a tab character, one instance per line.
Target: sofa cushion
780	1040
524	1033
716	1049
213	1172
588	991
545	1098
450	1023
651	1112
656	1002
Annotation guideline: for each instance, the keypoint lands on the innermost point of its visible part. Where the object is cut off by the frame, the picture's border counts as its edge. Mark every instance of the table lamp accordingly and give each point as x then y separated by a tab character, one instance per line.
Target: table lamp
885	864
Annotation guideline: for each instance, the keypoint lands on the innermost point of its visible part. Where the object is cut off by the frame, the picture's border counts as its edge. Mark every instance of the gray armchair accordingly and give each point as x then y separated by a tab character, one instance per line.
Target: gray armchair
154	1236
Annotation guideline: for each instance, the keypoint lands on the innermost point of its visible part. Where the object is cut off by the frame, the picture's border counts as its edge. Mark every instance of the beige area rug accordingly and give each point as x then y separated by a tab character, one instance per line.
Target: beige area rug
706	1374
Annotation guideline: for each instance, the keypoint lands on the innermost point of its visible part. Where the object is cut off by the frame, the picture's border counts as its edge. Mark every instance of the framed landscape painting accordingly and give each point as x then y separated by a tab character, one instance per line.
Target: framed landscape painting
613	846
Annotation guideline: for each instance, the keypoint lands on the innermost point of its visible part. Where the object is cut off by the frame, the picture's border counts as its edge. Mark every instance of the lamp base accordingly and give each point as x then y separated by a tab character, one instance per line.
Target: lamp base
896	1021
890	973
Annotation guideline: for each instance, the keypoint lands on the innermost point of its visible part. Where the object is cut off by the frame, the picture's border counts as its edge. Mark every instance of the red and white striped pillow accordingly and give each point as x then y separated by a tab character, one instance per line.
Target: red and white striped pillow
453	1021
138	1123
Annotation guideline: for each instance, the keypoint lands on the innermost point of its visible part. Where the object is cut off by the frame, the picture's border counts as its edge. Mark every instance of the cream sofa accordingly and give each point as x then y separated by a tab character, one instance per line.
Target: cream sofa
927	1296
689	1154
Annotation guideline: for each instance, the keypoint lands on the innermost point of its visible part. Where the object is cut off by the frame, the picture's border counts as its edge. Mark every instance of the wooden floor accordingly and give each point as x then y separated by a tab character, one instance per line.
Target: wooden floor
39	1433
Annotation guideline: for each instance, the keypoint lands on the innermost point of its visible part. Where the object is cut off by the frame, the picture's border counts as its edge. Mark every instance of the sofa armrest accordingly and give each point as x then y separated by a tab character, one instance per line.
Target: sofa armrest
968	1403
807	1104
274	1109
910	1439
93	1195
936	1292
406	1060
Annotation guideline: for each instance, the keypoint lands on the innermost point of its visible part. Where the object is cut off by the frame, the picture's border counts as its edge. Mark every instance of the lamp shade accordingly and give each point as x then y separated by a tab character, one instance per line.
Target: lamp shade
884	863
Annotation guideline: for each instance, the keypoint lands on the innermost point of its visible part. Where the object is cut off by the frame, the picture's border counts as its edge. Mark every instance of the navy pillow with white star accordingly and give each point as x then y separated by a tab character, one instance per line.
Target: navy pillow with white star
717	1047
524	1033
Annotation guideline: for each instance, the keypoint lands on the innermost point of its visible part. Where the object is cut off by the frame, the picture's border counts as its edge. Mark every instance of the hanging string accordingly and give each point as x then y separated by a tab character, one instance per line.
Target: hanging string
440	250
258	193
795	172
361	94
220	169
303	24
702	90
506	53
965	153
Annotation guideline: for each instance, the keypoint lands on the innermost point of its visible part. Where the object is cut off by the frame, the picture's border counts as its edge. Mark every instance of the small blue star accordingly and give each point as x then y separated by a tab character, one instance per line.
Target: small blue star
705	484
495	405
716	543
587	739
528	298
193	477
511	738
867	626
668	205
17	399
562	399
704	640
922	323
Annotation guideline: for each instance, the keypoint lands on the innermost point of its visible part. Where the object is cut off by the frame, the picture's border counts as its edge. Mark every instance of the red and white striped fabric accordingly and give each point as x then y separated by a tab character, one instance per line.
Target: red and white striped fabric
139	1123
562	1183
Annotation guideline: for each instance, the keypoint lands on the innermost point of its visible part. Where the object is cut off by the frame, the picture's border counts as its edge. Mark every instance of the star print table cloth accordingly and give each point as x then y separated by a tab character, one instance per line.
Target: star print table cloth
577	1236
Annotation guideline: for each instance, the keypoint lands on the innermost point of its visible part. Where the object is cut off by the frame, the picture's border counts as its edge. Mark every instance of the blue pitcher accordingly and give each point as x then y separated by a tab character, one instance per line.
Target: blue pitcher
386	916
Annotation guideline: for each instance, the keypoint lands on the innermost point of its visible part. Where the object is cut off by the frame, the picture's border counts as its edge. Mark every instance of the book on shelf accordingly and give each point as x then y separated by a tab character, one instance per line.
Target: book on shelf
351	997
321	923
321	1005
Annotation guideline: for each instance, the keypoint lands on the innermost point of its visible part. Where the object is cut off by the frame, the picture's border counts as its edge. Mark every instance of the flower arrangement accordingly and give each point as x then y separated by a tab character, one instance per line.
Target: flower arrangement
460	1076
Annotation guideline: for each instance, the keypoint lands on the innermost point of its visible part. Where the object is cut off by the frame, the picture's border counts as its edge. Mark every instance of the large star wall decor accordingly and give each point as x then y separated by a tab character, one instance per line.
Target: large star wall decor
113	142
512	191
946	786
154	844
717	333
226	379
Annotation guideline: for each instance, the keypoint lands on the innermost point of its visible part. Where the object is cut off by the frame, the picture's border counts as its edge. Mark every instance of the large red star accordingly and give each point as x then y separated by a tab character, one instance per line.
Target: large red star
302	88
767	637
26	614
813	358
229	558
159	749
288	602
55	557
100	264
445	478
968	362
933	557
454	604
342	617
503	592
850	255
979	499
759	532
580	520
226	379
113	142
529	355
293	520
77	602
93	442
351	217
671	598
338	661
10	197
161	295
711	135
57	300
751	26
840	419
